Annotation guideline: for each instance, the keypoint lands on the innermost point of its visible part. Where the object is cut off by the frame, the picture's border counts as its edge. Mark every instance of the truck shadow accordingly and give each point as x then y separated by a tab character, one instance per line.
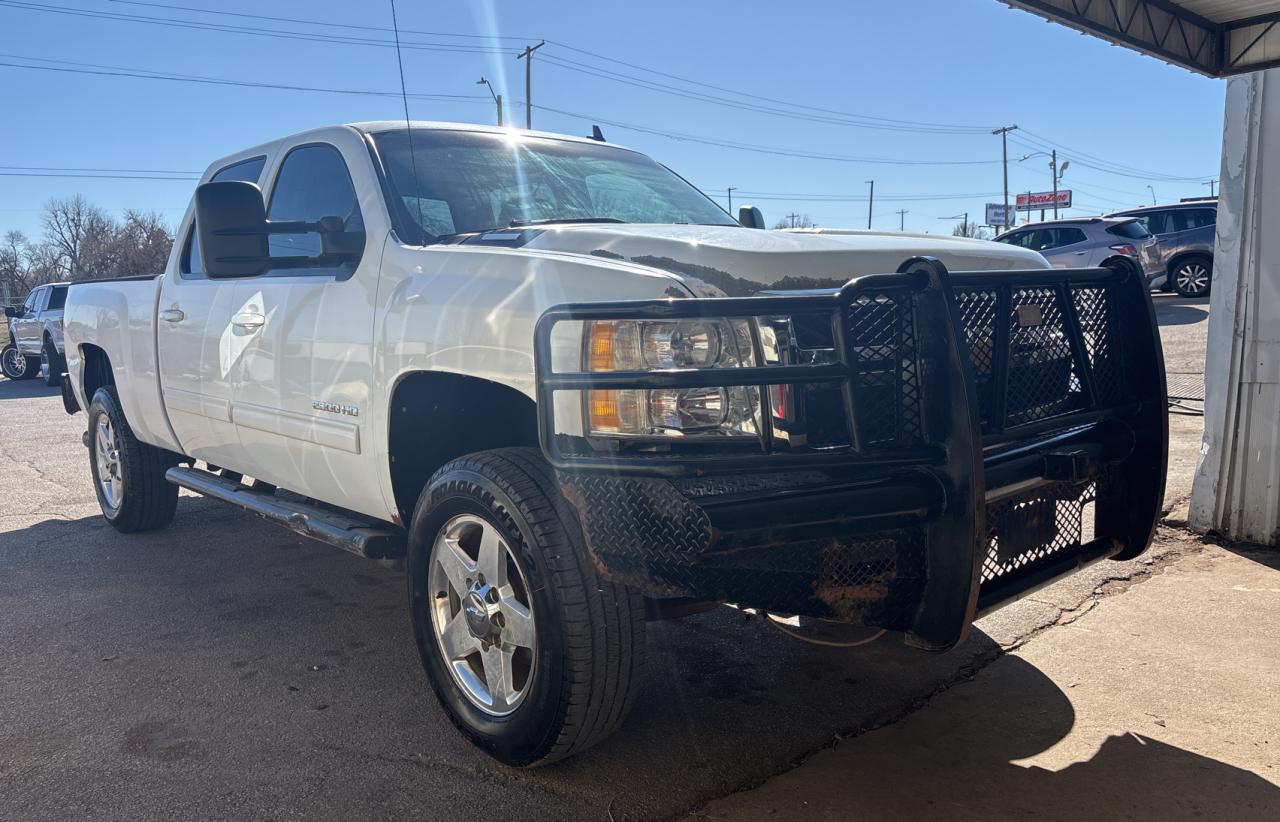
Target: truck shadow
26	389
110	635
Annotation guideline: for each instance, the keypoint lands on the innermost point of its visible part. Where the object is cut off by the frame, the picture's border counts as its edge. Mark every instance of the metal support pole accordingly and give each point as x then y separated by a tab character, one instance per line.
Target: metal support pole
871	202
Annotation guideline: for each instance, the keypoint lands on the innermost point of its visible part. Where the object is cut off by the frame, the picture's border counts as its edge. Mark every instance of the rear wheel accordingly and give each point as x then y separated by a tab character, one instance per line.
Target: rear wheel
533	656
16	365
51	364
1192	276
128	475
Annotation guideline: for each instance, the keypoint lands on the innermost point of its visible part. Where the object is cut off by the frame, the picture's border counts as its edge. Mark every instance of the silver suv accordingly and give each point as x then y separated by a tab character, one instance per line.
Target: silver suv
35	336
1092	241
1186	233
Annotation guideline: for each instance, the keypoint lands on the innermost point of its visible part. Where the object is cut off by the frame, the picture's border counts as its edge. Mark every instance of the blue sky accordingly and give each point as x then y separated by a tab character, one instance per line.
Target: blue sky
904	80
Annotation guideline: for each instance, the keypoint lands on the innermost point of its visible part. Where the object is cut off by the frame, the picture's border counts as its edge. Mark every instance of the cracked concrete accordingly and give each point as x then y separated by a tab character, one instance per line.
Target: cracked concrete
224	668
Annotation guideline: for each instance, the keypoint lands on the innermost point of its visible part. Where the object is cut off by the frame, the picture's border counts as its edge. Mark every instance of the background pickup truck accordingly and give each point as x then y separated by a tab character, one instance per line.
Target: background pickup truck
35	336
572	394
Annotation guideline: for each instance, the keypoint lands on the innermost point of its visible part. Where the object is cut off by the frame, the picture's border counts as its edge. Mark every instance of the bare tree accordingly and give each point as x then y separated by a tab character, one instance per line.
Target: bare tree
81	234
796	221
141	244
973	230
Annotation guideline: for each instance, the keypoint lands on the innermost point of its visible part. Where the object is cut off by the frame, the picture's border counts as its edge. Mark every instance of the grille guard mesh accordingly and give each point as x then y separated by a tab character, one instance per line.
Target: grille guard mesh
1026	377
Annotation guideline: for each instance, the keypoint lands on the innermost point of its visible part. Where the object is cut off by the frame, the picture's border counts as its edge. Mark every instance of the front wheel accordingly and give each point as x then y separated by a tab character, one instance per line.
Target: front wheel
16	365
533	655
1192	276
128	475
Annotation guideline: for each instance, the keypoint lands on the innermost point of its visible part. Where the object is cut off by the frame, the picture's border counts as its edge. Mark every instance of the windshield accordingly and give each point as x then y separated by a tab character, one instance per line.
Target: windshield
475	181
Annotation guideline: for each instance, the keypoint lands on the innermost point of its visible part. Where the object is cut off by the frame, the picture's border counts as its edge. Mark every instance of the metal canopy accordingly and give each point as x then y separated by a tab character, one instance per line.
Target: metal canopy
1214	37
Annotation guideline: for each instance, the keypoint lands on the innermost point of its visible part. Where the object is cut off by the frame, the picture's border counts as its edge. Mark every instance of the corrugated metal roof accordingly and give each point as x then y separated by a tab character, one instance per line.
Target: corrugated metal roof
1213	37
1229	11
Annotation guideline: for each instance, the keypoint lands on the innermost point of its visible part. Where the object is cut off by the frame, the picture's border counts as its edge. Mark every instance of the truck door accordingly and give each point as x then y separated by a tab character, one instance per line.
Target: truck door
198	345
26	329
302	390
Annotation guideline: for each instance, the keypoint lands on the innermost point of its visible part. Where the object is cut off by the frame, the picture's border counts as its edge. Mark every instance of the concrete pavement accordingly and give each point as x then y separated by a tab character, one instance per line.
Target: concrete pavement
224	668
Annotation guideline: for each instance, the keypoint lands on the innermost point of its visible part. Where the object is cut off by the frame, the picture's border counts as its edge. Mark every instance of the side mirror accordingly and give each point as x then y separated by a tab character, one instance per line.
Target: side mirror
234	231
12	311
748	217
232	223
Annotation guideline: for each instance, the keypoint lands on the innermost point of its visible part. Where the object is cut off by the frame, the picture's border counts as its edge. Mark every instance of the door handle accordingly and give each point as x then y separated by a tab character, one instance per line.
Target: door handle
248	319
172	315
1080	253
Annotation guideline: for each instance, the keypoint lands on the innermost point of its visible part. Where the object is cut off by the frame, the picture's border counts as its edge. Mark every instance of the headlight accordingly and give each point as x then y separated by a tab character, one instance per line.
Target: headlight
635	345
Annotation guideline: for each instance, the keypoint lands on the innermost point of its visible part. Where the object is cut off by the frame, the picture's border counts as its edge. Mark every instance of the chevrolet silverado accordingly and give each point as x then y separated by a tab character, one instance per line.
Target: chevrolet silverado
571	394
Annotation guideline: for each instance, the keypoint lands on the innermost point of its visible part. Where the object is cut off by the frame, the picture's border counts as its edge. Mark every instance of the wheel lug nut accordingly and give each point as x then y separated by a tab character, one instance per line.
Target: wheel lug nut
493	596
499	620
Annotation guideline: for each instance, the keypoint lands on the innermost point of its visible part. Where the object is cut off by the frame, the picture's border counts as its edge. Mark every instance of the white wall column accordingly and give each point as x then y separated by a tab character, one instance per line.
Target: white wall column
1237	483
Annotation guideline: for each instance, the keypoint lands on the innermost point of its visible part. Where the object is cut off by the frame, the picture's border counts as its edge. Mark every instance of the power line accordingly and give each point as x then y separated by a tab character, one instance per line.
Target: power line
223	12
112	170
147	74
568	47
785	152
285	34
93	176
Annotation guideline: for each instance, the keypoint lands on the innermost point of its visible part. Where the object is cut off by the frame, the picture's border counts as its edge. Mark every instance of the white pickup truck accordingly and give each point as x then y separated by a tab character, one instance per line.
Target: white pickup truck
574	394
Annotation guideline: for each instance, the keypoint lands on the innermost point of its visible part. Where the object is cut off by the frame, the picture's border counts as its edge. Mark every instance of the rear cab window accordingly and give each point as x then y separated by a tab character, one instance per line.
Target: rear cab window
57	298
1131	230
249	171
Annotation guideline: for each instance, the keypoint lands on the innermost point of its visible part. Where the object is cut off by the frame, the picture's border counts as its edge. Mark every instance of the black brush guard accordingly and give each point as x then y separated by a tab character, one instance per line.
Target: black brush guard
1001	430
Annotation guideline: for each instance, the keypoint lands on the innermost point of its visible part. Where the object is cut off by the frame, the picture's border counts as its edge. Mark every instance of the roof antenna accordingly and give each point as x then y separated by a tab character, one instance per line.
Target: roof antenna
597	134
413	159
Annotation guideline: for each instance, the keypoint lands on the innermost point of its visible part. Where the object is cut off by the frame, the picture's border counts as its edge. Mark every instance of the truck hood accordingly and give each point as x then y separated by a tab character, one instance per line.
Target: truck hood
716	261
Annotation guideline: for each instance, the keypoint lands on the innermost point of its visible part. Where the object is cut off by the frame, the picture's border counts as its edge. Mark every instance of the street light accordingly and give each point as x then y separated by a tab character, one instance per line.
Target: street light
497	98
1153	193
964	227
1054	169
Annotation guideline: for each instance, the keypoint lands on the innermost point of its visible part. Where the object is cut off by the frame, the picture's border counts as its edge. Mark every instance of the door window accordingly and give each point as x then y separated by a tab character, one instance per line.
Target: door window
1068	236
1160	222
312	183
34	300
57	298
248	171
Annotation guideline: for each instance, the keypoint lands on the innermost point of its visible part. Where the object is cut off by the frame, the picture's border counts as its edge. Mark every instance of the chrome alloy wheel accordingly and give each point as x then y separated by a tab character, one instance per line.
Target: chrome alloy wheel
110	477
1192	278
15	363
44	361
482	614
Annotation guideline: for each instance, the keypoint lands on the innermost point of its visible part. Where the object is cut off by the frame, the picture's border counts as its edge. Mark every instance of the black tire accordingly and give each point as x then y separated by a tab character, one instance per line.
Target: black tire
51	364
147	500
589	632
16	365
1188	272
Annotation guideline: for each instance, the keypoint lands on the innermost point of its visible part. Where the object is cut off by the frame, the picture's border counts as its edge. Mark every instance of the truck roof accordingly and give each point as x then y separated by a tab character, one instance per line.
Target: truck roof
382	126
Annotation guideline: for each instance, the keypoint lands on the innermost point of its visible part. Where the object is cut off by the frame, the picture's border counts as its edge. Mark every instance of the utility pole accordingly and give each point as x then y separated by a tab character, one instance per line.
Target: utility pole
1004	143
1211	184
902	219
731	190
527	56
497	98
870	202
792	217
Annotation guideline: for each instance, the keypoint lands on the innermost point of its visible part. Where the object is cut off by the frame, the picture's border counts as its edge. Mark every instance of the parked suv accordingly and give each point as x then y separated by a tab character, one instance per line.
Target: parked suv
1185	232
35	336
1091	241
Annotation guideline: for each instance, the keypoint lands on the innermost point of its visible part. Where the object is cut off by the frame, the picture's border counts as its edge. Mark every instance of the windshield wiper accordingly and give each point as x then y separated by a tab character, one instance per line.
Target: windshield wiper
554	220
